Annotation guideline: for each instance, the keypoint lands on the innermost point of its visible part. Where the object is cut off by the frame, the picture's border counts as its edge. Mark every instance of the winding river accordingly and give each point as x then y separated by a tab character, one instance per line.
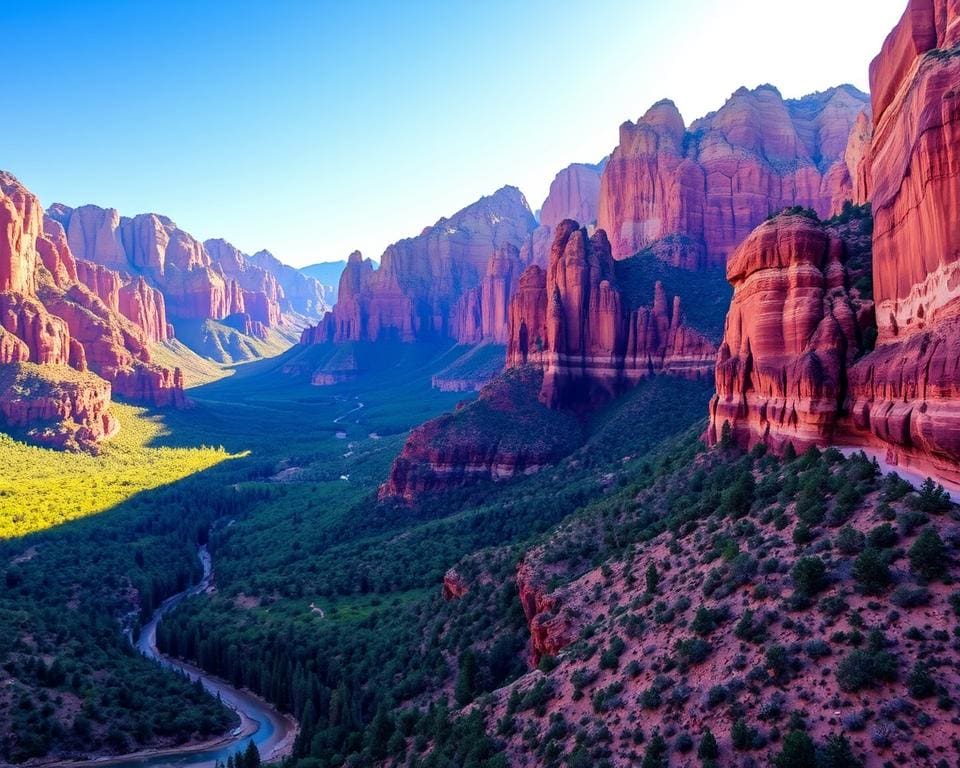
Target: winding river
271	731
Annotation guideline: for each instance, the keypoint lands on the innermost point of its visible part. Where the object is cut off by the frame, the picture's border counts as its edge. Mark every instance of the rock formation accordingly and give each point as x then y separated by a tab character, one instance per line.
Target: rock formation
55	312
792	331
158	268
592	341
905	395
506	432
901	398
302	295
550	629
416	292
712	182
56	405
574	194
481	313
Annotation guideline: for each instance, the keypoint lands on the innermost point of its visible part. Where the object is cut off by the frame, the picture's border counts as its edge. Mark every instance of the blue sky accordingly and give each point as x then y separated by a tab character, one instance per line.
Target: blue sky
314	128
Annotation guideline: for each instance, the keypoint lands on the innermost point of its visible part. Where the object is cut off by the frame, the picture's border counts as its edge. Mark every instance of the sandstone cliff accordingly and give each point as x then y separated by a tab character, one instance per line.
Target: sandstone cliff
793	329
504	433
420	289
716	180
55	312
902	397
591	338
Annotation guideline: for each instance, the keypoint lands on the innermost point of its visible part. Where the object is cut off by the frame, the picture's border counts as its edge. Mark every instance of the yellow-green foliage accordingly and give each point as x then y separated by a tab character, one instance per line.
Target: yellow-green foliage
40	488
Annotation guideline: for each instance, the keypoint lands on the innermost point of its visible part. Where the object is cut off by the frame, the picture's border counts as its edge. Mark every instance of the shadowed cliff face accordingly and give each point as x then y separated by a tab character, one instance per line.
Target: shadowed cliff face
716	180
573	321
902	397
77	330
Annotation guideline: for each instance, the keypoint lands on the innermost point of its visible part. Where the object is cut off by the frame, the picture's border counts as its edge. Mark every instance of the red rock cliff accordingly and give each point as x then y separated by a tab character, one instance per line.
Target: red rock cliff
417	290
51	319
791	333
713	182
904	397
573	321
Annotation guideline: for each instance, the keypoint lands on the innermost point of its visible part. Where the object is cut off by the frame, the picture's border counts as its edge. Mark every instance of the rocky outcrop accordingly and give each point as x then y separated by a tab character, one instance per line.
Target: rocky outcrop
133	298
850	180
454	587
550	629
574	194
261	294
792	331
504	433
56	406
163	269
481	313
418	292
592	341
716	180
69	320
902	397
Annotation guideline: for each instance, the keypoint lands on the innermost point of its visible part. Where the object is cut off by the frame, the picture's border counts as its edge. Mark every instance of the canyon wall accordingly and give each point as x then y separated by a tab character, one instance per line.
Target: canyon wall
421	287
158	269
77	331
710	184
793	329
590	338
901	398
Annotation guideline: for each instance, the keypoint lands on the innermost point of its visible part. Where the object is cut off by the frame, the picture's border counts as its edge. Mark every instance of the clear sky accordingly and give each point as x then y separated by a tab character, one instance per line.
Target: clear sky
314	128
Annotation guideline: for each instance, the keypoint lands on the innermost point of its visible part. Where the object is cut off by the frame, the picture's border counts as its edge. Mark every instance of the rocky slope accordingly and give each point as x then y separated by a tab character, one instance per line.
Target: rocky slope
714	181
591	339
688	608
57	311
503	433
420	289
901	398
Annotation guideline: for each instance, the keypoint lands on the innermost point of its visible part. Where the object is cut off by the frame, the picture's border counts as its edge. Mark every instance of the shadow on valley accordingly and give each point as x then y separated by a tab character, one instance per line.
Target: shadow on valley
323	597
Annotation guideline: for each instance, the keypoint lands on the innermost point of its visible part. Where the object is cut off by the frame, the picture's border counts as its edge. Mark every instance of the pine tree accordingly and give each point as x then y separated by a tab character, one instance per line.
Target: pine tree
653	578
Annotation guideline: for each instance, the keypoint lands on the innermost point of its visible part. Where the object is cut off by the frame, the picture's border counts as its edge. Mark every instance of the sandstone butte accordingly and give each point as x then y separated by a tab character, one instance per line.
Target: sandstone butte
800	382
76	332
707	186
591	340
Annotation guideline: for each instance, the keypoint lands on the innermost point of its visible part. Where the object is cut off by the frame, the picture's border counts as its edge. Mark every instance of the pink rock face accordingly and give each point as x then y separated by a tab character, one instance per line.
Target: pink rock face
572	321
415	293
574	194
20	225
716	181
903	397
481	314
261	292
550	630
180	274
916	171
850	180
454	587
45	335
61	408
302	295
790	334
56	312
